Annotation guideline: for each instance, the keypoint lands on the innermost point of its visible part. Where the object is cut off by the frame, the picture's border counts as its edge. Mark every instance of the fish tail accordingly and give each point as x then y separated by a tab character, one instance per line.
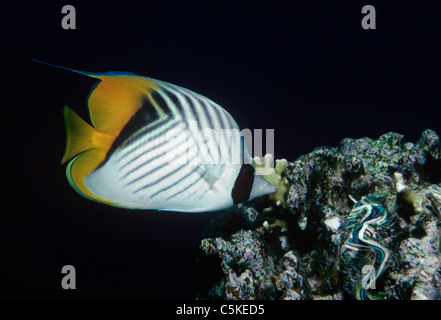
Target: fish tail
87	146
80	136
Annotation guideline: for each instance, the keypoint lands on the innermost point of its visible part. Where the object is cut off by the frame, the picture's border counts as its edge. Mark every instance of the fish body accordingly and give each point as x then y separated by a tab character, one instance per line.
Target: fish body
155	145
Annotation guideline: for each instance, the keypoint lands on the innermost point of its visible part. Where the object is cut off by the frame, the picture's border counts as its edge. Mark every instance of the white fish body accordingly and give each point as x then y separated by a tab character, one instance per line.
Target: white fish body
154	145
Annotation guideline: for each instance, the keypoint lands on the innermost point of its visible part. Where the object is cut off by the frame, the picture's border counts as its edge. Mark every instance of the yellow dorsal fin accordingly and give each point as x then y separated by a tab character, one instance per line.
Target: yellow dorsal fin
116	99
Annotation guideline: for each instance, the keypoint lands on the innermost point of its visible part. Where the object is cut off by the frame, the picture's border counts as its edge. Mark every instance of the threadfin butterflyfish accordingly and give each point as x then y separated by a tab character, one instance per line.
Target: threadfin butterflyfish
155	145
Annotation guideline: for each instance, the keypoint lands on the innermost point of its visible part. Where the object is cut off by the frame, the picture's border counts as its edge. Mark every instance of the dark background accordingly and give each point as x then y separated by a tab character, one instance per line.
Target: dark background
307	70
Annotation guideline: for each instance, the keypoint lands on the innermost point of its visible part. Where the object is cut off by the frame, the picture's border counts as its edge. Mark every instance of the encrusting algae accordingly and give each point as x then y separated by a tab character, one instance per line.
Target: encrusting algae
311	220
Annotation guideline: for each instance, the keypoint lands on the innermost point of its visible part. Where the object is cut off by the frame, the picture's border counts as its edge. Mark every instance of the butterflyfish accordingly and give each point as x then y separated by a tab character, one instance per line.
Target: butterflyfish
154	145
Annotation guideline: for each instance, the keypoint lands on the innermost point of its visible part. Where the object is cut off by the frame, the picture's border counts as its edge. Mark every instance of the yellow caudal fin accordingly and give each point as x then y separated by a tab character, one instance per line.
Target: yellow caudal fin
88	146
79	135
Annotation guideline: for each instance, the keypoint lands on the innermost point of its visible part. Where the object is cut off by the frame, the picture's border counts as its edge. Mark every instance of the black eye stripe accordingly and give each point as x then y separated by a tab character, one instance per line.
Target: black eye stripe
243	184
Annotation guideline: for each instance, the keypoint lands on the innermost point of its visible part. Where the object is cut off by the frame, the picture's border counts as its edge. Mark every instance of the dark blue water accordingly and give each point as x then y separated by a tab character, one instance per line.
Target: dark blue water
308	71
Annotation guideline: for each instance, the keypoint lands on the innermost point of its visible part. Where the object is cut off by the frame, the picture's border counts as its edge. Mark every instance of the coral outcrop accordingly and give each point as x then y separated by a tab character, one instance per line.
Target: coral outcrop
298	249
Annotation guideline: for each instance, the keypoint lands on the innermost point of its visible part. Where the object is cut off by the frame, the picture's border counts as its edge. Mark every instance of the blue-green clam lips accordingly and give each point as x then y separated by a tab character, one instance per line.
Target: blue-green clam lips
366	215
